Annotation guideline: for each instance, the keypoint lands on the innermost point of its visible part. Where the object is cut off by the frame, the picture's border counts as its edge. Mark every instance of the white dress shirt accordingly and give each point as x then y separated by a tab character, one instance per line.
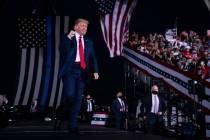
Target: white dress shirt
155	104
77	38
89	107
122	104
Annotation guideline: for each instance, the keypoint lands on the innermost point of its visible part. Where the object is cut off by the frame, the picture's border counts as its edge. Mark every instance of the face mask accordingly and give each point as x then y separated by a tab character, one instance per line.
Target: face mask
154	92
119	96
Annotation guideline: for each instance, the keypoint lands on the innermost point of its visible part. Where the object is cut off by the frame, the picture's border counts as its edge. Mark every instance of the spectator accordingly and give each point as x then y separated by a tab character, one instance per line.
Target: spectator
185	52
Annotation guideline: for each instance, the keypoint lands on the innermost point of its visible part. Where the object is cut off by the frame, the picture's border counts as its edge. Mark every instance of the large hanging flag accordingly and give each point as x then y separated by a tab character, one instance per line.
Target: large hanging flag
38	40
115	18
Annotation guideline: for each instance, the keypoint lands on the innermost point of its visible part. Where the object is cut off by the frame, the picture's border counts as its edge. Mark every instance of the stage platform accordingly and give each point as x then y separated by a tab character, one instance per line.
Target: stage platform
41	130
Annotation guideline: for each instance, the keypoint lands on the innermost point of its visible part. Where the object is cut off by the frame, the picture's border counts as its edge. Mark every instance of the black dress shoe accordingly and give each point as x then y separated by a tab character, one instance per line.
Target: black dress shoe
74	131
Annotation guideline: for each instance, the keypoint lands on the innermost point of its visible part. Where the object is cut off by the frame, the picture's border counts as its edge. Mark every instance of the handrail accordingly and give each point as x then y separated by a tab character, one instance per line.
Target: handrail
175	78
190	75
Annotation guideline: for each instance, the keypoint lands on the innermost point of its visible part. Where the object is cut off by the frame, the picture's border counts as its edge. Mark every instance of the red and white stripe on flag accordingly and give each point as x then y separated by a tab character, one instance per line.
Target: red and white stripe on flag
114	25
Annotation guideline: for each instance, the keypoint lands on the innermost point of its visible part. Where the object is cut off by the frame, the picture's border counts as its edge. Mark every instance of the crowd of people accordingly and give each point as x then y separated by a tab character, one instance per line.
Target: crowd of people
186	51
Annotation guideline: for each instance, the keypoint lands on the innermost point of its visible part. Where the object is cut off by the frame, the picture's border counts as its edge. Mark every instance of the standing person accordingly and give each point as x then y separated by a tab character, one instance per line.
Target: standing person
3	100
88	108
153	107
119	109
77	57
4	112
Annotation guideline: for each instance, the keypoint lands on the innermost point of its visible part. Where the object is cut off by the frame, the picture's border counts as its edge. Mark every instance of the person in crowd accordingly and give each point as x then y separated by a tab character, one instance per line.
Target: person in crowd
183	52
153	107
202	71
134	42
77	58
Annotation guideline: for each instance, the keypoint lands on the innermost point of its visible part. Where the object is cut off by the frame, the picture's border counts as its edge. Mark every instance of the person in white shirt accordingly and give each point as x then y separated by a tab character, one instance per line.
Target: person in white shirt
88	108
119	109
153	107
77	63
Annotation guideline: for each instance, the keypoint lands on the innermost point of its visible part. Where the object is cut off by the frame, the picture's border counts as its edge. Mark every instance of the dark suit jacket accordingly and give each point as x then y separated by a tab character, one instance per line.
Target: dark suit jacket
68	49
85	106
116	106
147	104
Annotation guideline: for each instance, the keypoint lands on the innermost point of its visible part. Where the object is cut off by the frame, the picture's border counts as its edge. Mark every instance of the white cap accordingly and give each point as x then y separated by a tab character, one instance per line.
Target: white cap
187	47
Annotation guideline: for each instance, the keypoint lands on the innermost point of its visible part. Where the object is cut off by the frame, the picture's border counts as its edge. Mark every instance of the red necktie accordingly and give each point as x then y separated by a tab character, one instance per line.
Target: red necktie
81	54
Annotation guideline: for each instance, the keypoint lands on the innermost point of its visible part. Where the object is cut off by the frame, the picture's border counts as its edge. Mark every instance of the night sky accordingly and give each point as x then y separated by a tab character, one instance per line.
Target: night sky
149	16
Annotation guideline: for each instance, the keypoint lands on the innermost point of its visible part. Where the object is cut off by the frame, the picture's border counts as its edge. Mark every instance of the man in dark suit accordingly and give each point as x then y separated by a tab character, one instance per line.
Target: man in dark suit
77	57
153	107
119	109
88	108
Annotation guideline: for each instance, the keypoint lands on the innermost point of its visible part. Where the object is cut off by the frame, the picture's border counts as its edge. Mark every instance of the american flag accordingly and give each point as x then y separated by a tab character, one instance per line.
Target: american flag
104	6
38	40
114	23
32	32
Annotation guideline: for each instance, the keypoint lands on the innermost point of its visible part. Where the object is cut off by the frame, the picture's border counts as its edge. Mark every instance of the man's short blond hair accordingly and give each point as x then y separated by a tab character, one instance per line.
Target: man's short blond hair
77	21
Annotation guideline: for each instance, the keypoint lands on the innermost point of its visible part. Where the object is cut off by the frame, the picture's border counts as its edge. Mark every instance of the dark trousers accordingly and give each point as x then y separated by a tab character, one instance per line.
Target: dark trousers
73	88
154	123
88	116
119	120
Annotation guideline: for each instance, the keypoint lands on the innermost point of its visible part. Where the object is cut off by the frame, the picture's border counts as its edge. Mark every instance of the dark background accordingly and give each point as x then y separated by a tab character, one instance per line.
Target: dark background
149	16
